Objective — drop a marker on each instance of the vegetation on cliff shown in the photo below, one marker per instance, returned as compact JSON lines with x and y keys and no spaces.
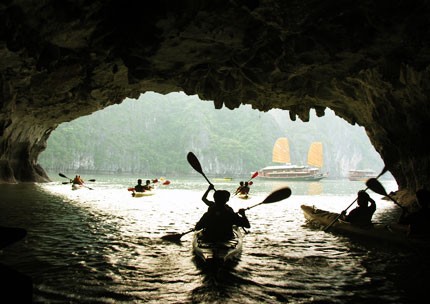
{"x":153,"y":134}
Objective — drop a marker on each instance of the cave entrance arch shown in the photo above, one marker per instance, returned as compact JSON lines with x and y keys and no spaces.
{"x":150,"y":135}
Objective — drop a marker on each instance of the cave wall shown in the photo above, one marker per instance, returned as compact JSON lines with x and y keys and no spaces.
{"x":366,"y":60}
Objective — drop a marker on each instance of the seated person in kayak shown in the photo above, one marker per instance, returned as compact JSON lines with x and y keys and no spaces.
{"x":245,"y":189}
{"x":139,"y":187}
{"x":78,"y":180}
{"x":418,"y":221}
{"x":147,"y":186}
{"x":218,"y":221}
{"x":361,"y":215}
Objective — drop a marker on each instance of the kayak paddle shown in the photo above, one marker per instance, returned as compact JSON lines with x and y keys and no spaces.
{"x":374,"y":185}
{"x":273,"y":197}
{"x":385,"y":169}
{"x":65,"y":183}
{"x":175,"y":237}
{"x":62,"y":175}
{"x":71,"y":180}
{"x":253,"y":176}
{"x":194,"y":162}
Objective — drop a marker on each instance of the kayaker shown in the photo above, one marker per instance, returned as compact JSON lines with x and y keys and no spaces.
{"x":219,"y":219}
{"x":78,"y":180}
{"x":361,"y":215}
{"x":245,"y":189}
{"x":147,"y":186}
{"x":418,"y":221}
{"x":139,"y":187}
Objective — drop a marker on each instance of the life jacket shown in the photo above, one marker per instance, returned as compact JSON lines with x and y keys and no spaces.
{"x":218,"y":222}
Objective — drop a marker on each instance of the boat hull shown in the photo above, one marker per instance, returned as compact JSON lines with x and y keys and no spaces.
{"x":218,"y":252}
{"x":361,"y":175}
{"x":292,"y":173}
{"x":244,"y":196}
{"x":223,"y":179}
{"x":142,"y":194}
{"x":77,"y":187}
{"x":312,"y":178}
{"x":377,"y":232}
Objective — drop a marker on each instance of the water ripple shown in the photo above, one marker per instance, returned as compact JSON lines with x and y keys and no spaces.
{"x":103,"y":246}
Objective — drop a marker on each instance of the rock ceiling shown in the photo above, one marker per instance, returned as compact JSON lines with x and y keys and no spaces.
{"x":366,"y":60}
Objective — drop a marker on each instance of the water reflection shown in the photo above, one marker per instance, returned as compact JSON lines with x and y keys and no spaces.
{"x":104,"y":246}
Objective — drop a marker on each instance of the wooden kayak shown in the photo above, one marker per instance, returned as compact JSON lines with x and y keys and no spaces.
{"x":380,"y":232}
{"x":218,"y":252}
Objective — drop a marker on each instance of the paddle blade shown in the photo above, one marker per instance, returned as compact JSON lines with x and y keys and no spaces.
{"x":65,"y":183}
{"x":62,"y":175}
{"x":374,"y":185}
{"x":277,"y":195}
{"x":176,"y":237}
{"x":172,"y":237}
{"x":167,"y":182}
{"x":250,"y":183}
{"x":194,"y":162}
{"x":254,"y":175}
{"x":92,"y":180}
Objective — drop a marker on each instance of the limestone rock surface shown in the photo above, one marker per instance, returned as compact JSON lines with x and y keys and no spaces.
{"x":366,"y":60}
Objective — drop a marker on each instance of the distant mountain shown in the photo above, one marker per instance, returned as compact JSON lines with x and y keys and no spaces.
{"x":153,"y":134}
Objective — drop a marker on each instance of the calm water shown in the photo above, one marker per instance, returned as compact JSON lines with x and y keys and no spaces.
{"x":104,"y":246}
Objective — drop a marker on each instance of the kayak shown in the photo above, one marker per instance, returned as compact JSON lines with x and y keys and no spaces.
{"x":244,"y":196}
{"x":223,"y":179}
{"x":142,"y":194}
{"x":77,"y":186}
{"x":218,"y":252}
{"x":394,"y":233}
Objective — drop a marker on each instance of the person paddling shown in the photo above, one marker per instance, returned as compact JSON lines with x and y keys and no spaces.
{"x":78,"y":180}
{"x":217,"y":223}
{"x":245,"y":189}
{"x":139,"y":187}
{"x":147,"y":186}
{"x":361,"y":215}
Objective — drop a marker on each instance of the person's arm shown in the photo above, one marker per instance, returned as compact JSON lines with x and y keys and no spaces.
{"x":351,"y":216}
{"x":372,"y":203}
{"x":244,"y":222}
{"x":201,"y":223}
{"x":205,"y":196}
{"x":238,"y":190}
{"x":343,"y":215}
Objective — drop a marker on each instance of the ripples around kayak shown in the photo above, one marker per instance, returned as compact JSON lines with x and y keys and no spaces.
{"x":103,"y":246}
